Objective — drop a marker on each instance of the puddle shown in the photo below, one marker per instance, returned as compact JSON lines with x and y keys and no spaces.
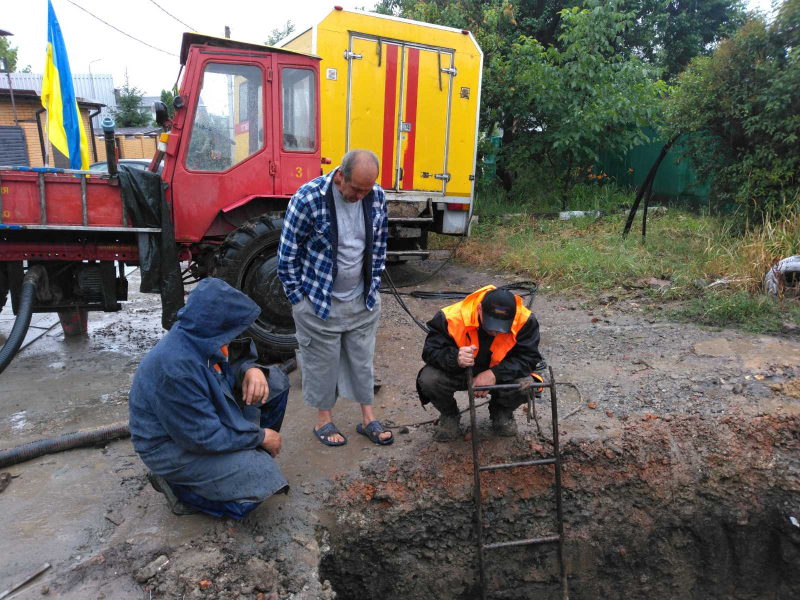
{"x":18,"y":420}
{"x":755,"y":353}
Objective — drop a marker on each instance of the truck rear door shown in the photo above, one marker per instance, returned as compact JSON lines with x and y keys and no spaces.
{"x":398,"y":107}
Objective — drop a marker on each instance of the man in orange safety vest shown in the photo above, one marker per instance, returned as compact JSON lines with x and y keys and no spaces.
{"x":492,"y":332}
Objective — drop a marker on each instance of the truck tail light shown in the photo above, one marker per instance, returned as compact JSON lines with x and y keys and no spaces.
{"x":453,"y":206}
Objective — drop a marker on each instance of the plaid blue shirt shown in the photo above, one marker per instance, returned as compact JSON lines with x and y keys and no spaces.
{"x":309,"y":244}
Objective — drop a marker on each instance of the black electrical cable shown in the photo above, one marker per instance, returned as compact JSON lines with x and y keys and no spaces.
{"x":120,"y":30}
{"x":442,"y":266}
{"x":419,"y":323}
{"x":528,"y":287}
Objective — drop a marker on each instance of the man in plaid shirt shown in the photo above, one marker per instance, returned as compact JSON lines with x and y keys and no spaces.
{"x":330,"y":259}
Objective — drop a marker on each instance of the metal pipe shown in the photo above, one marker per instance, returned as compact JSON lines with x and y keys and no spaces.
{"x":510,"y":386}
{"x":477,"y":475}
{"x":111,"y":148}
{"x":91,"y":130}
{"x":42,"y":200}
{"x":559,"y":509}
{"x":13,"y":103}
{"x":41,"y":133}
{"x":84,"y":204}
{"x":530,"y":541}
{"x":527,"y":463}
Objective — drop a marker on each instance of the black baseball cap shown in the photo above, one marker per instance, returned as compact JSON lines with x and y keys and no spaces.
{"x":499,"y":309}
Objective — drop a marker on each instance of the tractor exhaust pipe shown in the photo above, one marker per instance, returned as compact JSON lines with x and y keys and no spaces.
{"x":111,"y":146}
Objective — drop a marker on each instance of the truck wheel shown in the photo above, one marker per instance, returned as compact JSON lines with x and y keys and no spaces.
{"x":248,"y":260}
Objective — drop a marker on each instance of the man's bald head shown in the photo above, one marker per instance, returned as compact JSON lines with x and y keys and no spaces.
{"x":357,"y":174}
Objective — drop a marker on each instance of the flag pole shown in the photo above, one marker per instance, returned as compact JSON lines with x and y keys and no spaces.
{"x":46,"y":156}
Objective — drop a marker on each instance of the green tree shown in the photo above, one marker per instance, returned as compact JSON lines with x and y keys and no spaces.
{"x":738,"y":109}
{"x":588,"y":95}
{"x":130,"y":111}
{"x":9,"y":53}
{"x":663,"y":33}
{"x":276,"y":35}
{"x":167,"y":97}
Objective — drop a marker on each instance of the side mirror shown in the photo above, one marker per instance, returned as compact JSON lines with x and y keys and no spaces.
{"x":162,"y":116}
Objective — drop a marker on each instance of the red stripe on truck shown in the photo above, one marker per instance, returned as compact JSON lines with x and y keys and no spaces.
{"x":389,"y":116}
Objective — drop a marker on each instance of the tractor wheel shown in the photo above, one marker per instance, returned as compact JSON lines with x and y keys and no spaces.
{"x":248,"y":260}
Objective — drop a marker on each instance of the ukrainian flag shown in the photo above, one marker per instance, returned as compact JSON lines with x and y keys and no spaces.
{"x":64,"y":126}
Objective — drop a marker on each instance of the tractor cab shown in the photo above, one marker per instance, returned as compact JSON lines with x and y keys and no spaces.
{"x":245,"y":134}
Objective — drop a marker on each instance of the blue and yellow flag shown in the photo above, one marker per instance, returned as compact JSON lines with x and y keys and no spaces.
{"x":64,"y":126}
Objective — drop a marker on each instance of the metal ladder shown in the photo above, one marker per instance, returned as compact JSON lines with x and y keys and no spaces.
{"x":478,"y":468}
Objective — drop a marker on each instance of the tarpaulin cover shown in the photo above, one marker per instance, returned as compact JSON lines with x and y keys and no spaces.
{"x":143,"y":195}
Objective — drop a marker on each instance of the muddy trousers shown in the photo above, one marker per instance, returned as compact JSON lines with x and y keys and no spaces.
{"x":223,"y":471}
{"x":438,"y":388}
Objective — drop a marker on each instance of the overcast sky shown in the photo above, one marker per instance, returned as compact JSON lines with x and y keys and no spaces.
{"x":89,"y":40}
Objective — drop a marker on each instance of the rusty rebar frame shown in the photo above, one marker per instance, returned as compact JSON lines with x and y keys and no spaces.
{"x":555,"y":460}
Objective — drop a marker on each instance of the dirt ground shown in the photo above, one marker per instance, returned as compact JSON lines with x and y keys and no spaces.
{"x":106,"y":533}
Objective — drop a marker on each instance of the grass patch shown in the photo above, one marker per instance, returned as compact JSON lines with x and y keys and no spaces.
{"x":490,"y":201}
{"x":754,"y":313}
{"x":689,"y":250}
{"x":591,"y":254}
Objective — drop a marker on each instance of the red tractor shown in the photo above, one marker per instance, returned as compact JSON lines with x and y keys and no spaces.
{"x":245,"y":135}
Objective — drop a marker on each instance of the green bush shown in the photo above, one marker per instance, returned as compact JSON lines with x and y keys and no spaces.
{"x":740,"y":112}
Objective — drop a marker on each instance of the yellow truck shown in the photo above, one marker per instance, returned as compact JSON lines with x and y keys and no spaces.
{"x":410,"y":92}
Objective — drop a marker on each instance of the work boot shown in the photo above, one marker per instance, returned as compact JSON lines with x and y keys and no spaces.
{"x":503,"y":423}
{"x":449,"y":428}
{"x":176,"y":506}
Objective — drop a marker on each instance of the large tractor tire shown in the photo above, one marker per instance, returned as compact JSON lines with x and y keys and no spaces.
{"x":248,"y":260}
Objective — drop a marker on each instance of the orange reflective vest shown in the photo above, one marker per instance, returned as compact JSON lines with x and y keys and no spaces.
{"x":462,"y":325}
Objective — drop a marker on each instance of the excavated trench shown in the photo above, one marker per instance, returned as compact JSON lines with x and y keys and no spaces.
{"x":674,"y":508}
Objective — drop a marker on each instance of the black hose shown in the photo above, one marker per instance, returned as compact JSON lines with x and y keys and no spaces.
{"x":34,"y":276}
{"x":68,"y":441}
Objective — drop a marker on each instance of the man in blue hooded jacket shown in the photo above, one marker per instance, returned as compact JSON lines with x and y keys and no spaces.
{"x":194,"y":414}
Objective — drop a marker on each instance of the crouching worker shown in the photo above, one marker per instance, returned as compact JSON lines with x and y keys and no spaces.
{"x":208,"y":427}
{"x":492,"y":332}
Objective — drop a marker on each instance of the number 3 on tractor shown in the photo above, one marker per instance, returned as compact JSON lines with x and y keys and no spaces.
{"x":298,"y":172}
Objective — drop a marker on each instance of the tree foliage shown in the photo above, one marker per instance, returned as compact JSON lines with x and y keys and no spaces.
{"x":9,"y":53}
{"x":587,"y":96}
{"x":740,"y":111}
{"x":663,"y":34}
{"x":277,"y":34}
{"x":130,"y":111}
{"x":167,"y":97}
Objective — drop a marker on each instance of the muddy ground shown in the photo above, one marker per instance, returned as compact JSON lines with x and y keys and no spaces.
{"x":665,"y":411}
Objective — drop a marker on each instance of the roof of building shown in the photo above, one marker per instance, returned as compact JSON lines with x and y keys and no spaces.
{"x":98,"y":88}
{"x":190,"y":39}
{"x":33,"y":94}
{"x":147,"y":101}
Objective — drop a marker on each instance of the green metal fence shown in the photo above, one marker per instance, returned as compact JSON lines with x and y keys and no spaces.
{"x":675,"y":181}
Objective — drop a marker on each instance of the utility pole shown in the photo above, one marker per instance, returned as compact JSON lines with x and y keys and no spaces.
{"x":4,"y":69}
{"x":227,"y":32}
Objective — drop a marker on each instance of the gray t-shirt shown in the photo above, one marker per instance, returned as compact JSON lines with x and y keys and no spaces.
{"x":349,"y":282}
